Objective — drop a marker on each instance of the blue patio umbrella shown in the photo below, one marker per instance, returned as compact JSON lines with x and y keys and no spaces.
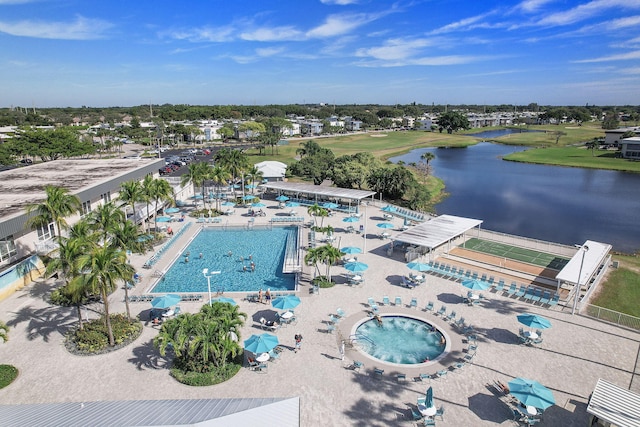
{"x":228,"y":204}
{"x":531,"y":393}
{"x":262,"y":343}
{"x":351,"y":219}
{"x":351,"y":250}
{"x":250,"y":186}
{"x":389,"y":208}
{"x":224,"y":300}
{"x":428,"y":401}
{"x":197,"y":197}
{"x":356,"y":267}
{"x":534,"y":321}
{"x":249,"y":197}
{"x":292,"y":204}
{"x":282,"y":198}
{"x":385,"y":225}
{"x":418,"y":266}
{"x":165,"y":301}
{"x":329,"y":205}
{"x":163,"y":219}
{"x":258,"y":205}
{"x":286,"y":302}
{"x":475,"y":284}
{"x":172,"y":210}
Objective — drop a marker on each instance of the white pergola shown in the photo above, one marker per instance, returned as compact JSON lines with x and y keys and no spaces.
{"x":584,"y":263}
{"x":319,"y":191}
{"x":437,"y":231}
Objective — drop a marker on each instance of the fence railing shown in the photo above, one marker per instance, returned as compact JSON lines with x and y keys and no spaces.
{"x":611,"y":316}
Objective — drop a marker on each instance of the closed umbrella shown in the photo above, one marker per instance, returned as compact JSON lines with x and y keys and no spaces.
{"x":356,"y":267}
{"x":282,"y":198}
{"x":418,"y":266}
{"x":428,"y":401}
{"x":224,"y":300}
{"x":385,"y":225}
{"x":165,"y":301}
{"x":534,"y":321}
{"x":475,"y":284}
{"x":351,"y":219}
{"x":389,"y":208}
{"x":262,"y":343}
{"x":351,"y":250}
{"x":286,"y":302}
{"x":531,"y":393}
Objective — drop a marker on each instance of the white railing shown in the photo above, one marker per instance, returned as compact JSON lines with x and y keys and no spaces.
{"x":528,"y":243}
{"x":611,"y":316}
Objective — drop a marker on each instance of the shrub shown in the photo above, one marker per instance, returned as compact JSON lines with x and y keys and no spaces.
{"x":94,"y":339}
{"x":323,"y":282}
{"x":214,"y":376}
{"x":8,"y":373}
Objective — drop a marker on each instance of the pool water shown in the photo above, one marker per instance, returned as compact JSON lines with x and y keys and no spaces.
{"x":266,"y":247}
{"x":401,"y":340}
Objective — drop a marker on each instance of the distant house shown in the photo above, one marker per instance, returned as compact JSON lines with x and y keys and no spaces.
{"x":272,"y":170}
{"x":613,"y":137}
{"x":630,"y":148}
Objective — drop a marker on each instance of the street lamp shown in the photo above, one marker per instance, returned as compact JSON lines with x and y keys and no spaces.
{"x":578,"y":286}
{"x":205,"y":273}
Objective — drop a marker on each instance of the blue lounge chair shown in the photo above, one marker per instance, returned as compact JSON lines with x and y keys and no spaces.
{"x":330,"y":328}
{"x":500,"y":286}
{"x":537,"y":296}
{"x":385,"y":300}
{"x":398,"y":302}
{"x":378,"y":373}
{"x":528,"y":296}
{"x":452,"y":316}
{"x":442,"y":311}
{"x":555,"y":299}
{"x":459,"y":323}
{"x":422,"y":377}
{"x":413,"y":303}
{"x":512,"y":289}
{"x":429,"y":306}
{"x":401,"y":377}
{"x":341,"y":312}
{"x":521,"y":291}
{"x":356,"y":365}
{"x":546,"y":298}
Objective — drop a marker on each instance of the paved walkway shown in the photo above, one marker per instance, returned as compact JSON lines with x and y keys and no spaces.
{"x":576,"y":352}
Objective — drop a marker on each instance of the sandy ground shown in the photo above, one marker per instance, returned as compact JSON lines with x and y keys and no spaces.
{"x":576,"y":351}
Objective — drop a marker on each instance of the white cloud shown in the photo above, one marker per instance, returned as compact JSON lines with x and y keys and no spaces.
{"x":269,"y":51}
{"x":272,"y":34}
{"x":619,"y":57}
{"x":80,"y":29}
{"x":395,"y":49}
{"x":423,"y":61}
{"x":336,"y":25}
{"x":633,"y":71}
{"x":339,"y":2}
{"x":204,"y":34}
{"x":532,"y":5}
{"x":463,"y":24}
{"x":16,"y":1}
{"x":585,"y":11}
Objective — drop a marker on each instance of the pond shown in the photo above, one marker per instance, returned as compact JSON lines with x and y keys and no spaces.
{"x":488,"y":134}
{"x":552,"y":203}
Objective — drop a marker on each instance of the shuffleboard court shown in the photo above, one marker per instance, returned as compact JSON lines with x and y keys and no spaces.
{"x":515,"y":253}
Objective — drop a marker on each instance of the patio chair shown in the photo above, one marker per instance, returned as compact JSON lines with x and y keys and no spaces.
{"x":330,"y":328}
{"x":546,"y":297}
{"x":398,"y":301}
{"x":520,"y":293}
{"x":440,"y":412}
{"x":429,"y":306}
{"x":500,"y":286}
{"x":554,"y":300}
{"x":378,"y":373}
{"x":341,"y":312}
{"x":422,"y":377}
{"x":356,"y":366}
{"x":443,"y":311}
{"x":371,"y":301}
{"x":429,"y":422}
{"x":452,"y":316}
{"x":401,"y":377}
{"x":512,"y":289}
{"x":414,"y":302}
{"x":385,"y":300}
{"x":416,"y":415}
{"x":274,"y":356}
{"x":459,"y":323}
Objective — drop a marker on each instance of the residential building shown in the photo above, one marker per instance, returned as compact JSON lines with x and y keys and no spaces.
{"x":630,"y":148}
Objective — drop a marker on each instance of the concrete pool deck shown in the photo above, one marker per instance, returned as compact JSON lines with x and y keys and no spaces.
{"x":576,"y":351}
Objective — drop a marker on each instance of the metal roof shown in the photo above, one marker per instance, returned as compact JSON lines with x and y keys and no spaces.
{"x":592,"y":260}
{"x":437,"y":231}
{"x":283,"y":412}
{"x":615,"y":404}
{"x":320,"y":190}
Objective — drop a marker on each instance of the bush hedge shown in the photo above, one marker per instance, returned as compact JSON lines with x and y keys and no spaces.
{"x":94,"y":339}
{"x":8,"y":373}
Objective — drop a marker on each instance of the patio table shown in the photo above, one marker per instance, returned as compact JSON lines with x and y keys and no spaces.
{"x":286,"y":315}
{"x":264,"y":357}
{"x":427,"y":412}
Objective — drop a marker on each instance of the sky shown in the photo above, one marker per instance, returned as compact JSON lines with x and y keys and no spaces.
{"x":58,"y":53}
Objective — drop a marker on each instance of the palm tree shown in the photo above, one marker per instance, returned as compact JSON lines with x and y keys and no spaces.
{"x":196,"y":176}
{"x":4,"y":331}
{"x":428,"y":156}
{"x":330,"y":255}
{"x":254,"y":174}
{"x":104,"y":220}
{"x":160,"y":190}
{"x":102,"y":269}
{"x":235,"y":161}
{"x":314,"y":256}
{"x":146,"y":196}
{"x":58,"y":205}
{"x":219,"y":176}
{"x":131,"y":192}
{"x":317,"y":211}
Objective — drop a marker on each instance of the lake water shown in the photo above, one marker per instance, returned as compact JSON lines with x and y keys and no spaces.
{"x":557,"y":204}
{"x":488,"y":134}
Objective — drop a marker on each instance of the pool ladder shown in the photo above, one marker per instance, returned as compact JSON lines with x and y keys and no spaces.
{"x":356,"y":337}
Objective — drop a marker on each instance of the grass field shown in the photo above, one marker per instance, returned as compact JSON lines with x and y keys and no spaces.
{"x":575,"y":157}
{"x":515,"y":253}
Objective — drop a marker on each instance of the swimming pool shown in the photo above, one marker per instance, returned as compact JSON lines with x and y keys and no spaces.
{"x":400,"y":340}
{"x":264,"y":247}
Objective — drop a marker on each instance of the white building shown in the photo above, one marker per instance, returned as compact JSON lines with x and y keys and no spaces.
{"x":272,"y":170}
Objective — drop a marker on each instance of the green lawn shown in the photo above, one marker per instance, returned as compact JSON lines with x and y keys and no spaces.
{"x":575,"y":157}
{"x":621,"y":292}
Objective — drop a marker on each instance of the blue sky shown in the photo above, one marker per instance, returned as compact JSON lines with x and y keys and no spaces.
{"x":120,"y":53}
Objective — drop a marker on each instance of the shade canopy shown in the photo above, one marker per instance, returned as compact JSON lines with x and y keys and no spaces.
{"x":356,"y":267}
{"x":262,"y":343}
{"x":286,"y":302}
{"x":534,"y":321}
{"x":418,"y":266}
{"x":351,"y":250}
{"x":531,"y":393}
{"x":385,"y":225}
{"x":224,"y":300}
{"x":165,"y":301}
{"x":475,"y":284}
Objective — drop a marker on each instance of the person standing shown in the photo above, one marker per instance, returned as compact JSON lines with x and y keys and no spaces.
{"x":260,"y":296}
{"x":298,"y":339}
{"x":342,"y":350}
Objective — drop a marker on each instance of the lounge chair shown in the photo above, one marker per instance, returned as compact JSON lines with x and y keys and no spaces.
{"x":537,"y":296}
{"x":520,"y":293}
{"x":398,"y":302}
{"x":429,"y":306}
{"x":440,"y":412}
{"x":452,"y":316}
{"x":371,"y":301}
{"x":401,"y":377}
{"x":413,"y":303}
{"x":459,"y":323}
{"x":356,"y":365}
{"x":422,"y":377}
{"x":341,"y":312}
{"x":546,"y":298}
{"x":442,"y":373}
{"x":330,"y":328}
{"x":416,"y":415}
{"x":500,"y":286}
{"x":442,"y":311}
{"x":378,"y":373}
{"x":512,"y":289}
{"x":528,"y":296}
{"x":385,"y":300}
{"x":555,"y":299}
{"x":429,"y":422}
